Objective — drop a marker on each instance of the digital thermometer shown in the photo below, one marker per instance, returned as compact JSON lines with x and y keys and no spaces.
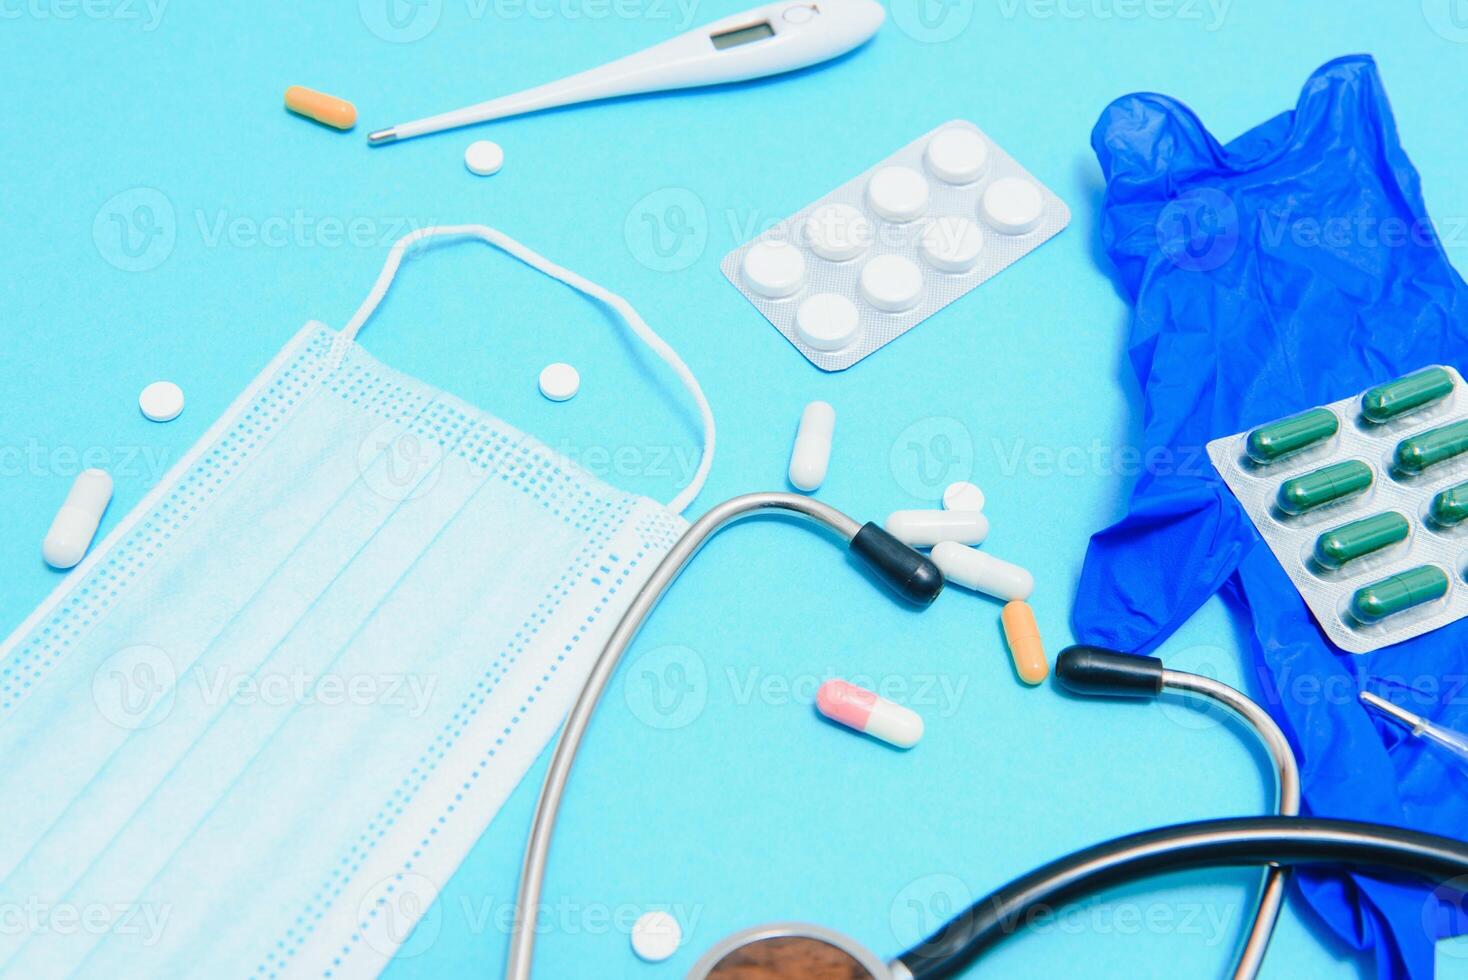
{"x":768,"y":40}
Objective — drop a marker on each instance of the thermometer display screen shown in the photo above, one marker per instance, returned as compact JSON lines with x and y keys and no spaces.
{"x":743,"y":35}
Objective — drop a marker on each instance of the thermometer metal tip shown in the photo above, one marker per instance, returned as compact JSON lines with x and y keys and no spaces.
{"x":1402,"y":715}
{"x":388,"y":135}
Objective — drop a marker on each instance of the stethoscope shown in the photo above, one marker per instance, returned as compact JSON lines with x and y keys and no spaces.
{"x":800,"y":950}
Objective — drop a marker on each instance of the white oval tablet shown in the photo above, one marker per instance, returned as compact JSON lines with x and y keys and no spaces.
{"x":837,"y":232}
{"x":827,"y":321}
{"x":951,"y":243}
{"x":559,"y":381}
{"x":656,"y":936}
{"x":963,"y":496}
{"x":484,"y":158}
{"x":891,"y":283}
{"x":162,"y":401}
{"x":774,"y":269}
{"x":1012,"y":205}
{"x":898,"y":193}
{"x":957,"y":156}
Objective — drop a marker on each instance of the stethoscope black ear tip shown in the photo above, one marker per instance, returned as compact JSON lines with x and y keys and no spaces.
{"x":1084,"y":669}
{"x":909,"y":573}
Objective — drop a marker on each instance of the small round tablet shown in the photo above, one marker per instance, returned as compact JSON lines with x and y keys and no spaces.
{"x":957,"y":156}
{"x":484,"y":157}
{"x":891,"y":283}
{"x":898,"y":193}
{"x":951,"y":243}
{"x":838,"y":232}
{"x":963,"y":496}
{"x":827,"y":321}
{"x":1012,"y":205}
{"x":162,"y":401}
{"x":774,"y":269}
{"x":559,"y":381}
{"x":656,"y":936}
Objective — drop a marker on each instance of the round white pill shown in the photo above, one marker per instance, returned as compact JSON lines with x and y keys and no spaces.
{"x":963,"y":496}
{"x":484,"y":158}
{"x":162,"y":401}
{"x":1012,"y":206}
{"x":827,"y":321}
{"x":838,"y":232}
{"x":559,"y":381}
{"x":774,"y":269}
{"x":891,"y":283}
{"x":951,"y":243}
{"x":957,"y":156}
{"x":898,"y":193}
{"x":656,"y":936}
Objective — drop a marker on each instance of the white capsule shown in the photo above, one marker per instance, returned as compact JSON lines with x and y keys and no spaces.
{"x":812,"y":453}
{"x":866,"y":711}
{"x":974,"y":569}
{"x":925,"y":528}
{"x":76,"y":522}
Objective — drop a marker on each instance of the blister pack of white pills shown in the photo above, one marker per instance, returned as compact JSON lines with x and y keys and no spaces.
{"x":857,"y":269}
{"x":1365,"y":503}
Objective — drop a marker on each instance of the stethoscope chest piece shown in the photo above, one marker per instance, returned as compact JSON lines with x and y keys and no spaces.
{"x":791,"y":951}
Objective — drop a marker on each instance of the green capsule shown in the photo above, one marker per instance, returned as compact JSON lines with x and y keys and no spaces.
{"x":1386,"y":402}
{"x":1450,"y":508}
{"x":1431,"y":447}
{"x":1305,"y":493}
{"x":1279,"y":439}
{"x":1351,"y":541}
{"x":1381,"y":599}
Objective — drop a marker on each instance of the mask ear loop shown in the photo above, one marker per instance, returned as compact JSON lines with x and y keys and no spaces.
{"x":536,"y":261}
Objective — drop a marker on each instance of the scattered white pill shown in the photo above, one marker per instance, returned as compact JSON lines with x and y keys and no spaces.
{"x":963,"y":496}
{"x":774,"y":269}
{"x":827,"y":321}
{"x":957,"y":156}
{"x":891,"y":283}
{"x":559,"y":381}
{"x":982,"y":572}
{"x":656,"y":936}
{"x":951,"y":243}
{"x":162,"y":401}
{"x":1012,"y":206}
{"x":76,"y":522}
{"x":898,"y":193}
{"x":812,"y":453}
{"x":837,"y":232}
{"x":484,"y":157}
{"x":925,"y":528}
{"x":869,"y":712}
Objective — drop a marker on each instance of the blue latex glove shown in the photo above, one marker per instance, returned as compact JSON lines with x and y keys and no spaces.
{"x":1291,"y":268}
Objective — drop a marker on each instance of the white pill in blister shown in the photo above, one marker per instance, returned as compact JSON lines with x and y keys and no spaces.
{"x":957,"y":156}
{"x":559,"y":381}
{"x":1012,"y":205}
{"x":812,"y":453}
{"x":484,"y":158}
{"x":925,"y":528}
{"x":982,"y":572}
{"x":161,"y":401}
{"x":656,"y":936}
{"x":71,"y":531}
{"x":898,"y":193}
{"x":774,"y":269}
{"x":891,"y":283}
{"x":951,"y":243}
{"x":827,"y":321}
{"x":963,"y":496}
{"x":837,"y":232}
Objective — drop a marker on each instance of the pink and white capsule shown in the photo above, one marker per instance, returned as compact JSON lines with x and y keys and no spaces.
{"x":856,"y":707}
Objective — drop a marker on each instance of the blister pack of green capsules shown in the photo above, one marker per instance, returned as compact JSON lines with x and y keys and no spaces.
{"x":1365,"y":504}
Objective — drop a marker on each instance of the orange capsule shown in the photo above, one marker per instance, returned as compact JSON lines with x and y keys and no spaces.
{"x":1023,"y":635}
{"x":327,"y":109}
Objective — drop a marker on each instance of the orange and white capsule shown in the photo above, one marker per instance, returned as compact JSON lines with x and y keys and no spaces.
{"x":1022,"y":634}
{"x":856,"y":707}
{"x":325,"y":109}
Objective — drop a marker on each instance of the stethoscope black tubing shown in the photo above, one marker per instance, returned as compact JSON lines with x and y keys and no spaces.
{"x":1205,"y":844}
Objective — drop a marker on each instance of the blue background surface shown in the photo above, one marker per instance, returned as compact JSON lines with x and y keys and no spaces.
{"x":164,"y":217}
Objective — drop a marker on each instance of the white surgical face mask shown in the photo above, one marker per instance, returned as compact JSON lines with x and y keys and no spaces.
{"x":259,"y":727}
